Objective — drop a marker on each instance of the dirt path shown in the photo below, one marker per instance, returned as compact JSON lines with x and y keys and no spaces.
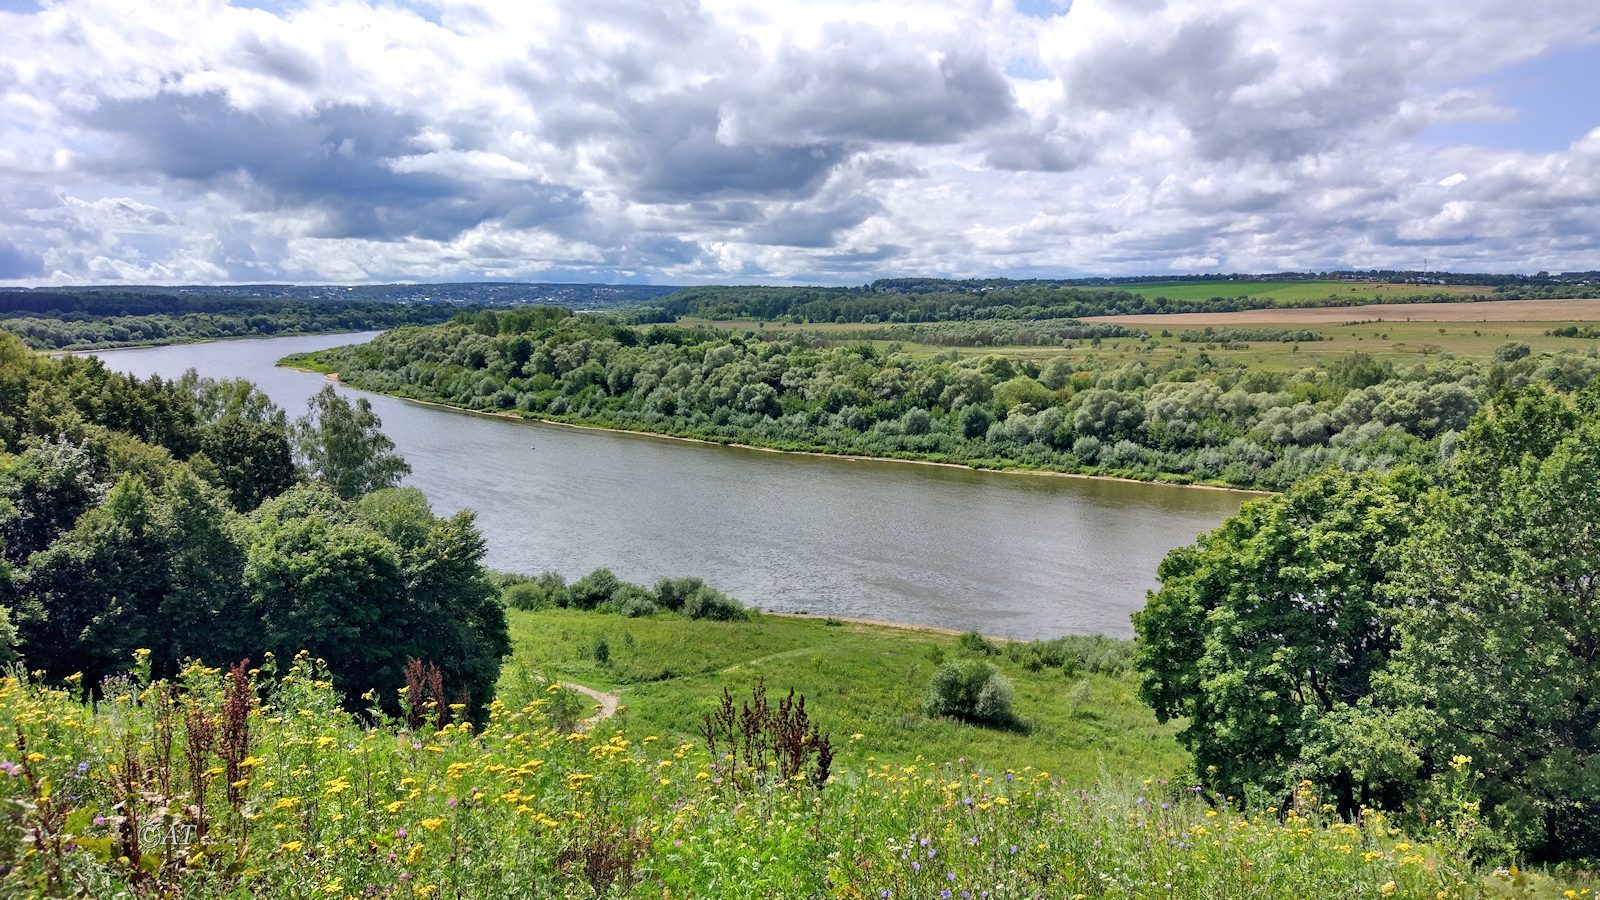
{"x":608,"y":704}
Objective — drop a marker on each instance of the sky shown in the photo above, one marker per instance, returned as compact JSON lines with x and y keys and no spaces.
{"x":764,"y":141}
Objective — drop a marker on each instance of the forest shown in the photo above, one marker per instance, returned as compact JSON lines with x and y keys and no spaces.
{"x":192,"y":519}
{"x":82,"y":320}
{"x":1189,"y":419}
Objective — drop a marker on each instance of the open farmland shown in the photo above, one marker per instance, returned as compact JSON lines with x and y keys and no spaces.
{"x":1290,"y":292}
{"x":1487,"y":311}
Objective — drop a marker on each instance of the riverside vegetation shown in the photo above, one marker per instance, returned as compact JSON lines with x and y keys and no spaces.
{"x":1442,"y":730}
{"x":1183,"y":419}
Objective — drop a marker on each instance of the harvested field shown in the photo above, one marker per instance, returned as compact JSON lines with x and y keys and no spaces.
{"x":1487,"y":311}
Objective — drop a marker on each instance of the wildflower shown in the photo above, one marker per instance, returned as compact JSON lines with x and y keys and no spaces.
{"x":291,"y":846}
{"x":432,"y":824}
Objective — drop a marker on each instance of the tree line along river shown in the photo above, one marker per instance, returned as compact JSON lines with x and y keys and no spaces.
{"x":1010,"y":555}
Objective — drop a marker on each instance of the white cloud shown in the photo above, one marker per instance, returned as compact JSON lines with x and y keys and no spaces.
{"x":691,"y":140}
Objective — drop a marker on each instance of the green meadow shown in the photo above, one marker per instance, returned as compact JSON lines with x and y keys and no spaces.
{"x":858,"y":679}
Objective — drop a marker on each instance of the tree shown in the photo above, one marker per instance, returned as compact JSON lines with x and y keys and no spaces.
{"x":1107,"y":414}
{"x":95,"y":592}
{"x":454,"y":612}
{"x":342,"y":445}
{"x":8,"y":632}
{"x":1500,"y":642}
{"x":321,"y":581}
{"x":250,"y":460}
{"x":1273,"y":623}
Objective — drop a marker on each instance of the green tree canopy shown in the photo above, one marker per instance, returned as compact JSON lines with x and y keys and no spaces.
{"x":342,"y":445}
{"x":1500,"y":645}
{"x":1272,"y":623}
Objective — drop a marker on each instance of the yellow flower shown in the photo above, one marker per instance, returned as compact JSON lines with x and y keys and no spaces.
{"x":250,"y":762}
{"x":1460,"y":761}
{"x":432,"y":824}
{"x":142,"y":652}
{"x":1387,"y":888}
{"x":291,"y":846}
{"x":337,"y":786}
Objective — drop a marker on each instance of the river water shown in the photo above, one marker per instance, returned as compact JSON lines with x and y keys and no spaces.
{"x":1009,"y":555}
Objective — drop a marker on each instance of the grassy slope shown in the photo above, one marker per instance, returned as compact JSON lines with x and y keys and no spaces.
{"x":857,"y":679}
{"x":325,"y":807}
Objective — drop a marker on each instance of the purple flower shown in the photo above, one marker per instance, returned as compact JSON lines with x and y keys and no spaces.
{"x":99,"y":820}
{"x":83,"y":767}
{"x":451,"y":803}
{"x":916,"y":866}
{"x":945,"y":894}
{"x":399,"y":832}
{"x":950,"y":877}
{"x":932,"y":853}
{"x":677,"y":842}
{"x":1013,"y":848}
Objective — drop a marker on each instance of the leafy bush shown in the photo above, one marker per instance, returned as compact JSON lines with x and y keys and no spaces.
{"x":970,"y":690}
{"x":630,"y":600}
{"x":710,"y":603}
{"x":672,"y":593}
{"x":976,"y":644}
{"x":1073,"y":654}
{"x":540,"y":592}
{"x":593,"y":589}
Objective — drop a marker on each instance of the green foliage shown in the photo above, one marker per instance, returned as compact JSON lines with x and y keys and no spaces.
{"x":341,"y":444}
{"x":1178,"y":419}
{"x":1210,"y":335}
{"x":548,"y":589}
{"x":80,"y":320}
{"x":8,"y":631}
{"x":1074,"y":654}
{"x":594,"y":589}
{"x":524,"y":807}
{"x":1403,"y":644}
{"x":970,"y":690}
{"x":976,"y":644}
{"x":941,"y":300}
{"x":121,"y":530}
{"x":1499,"y":651}
{"x":1271,"y":624}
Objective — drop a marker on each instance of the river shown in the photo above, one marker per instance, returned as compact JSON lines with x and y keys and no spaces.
{"x":1009,"y":555}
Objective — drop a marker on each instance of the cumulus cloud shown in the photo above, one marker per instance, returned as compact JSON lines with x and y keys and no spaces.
{"x":716,"y":140}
